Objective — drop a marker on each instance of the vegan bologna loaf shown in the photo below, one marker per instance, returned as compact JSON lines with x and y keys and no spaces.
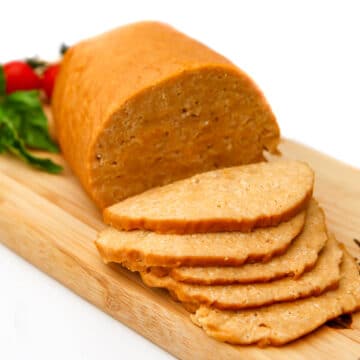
{"x":145,"y":105}
{"x":233,"y":199}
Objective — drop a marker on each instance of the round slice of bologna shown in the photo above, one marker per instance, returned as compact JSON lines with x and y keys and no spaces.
{"x":233,"y":199}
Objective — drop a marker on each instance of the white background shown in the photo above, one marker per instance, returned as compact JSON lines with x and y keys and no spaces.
{"x":304,"y":55}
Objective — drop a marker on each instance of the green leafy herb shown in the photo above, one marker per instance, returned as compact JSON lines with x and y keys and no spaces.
{"x":25,"y":111}
{"x":10,"y":141}
{"x":23,"y":124}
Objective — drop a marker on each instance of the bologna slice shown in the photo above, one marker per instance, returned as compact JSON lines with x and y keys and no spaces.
{"x":138,"y":250}
{"x":233,"y":199}
{"x":145,"y":105}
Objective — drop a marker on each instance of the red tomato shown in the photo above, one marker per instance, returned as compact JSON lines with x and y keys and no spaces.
{"x":48,"y":80}
{"x":20,"y":76}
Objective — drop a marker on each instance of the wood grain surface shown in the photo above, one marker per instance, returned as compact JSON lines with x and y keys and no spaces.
{"x":49,"y":220}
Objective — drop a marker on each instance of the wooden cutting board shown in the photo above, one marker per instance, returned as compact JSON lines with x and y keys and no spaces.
{"x":49,"y":220}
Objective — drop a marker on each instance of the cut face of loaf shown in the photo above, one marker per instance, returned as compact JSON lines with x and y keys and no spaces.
{"x":144,"y":105}
{"x":233,"y":199}
{"x":138,"y":250}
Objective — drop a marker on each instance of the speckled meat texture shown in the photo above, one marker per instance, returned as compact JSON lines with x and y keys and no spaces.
{"x":301,"y":256}
{"x":139,"y":249}
{"x":284,"y":322}
{"x":233,"y":199}
{"x":324,"y":276}
{"x":144,"y":105}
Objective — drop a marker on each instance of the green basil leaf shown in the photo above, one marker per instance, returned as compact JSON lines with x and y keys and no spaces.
{"x":24,"y":99}
{"x":2,"y":81}
{"x":48,"y":165}
{"x":10,"y":141}
{"x":6,"y":133}
{"x":25,"y":111}
{"x":11,"y":114}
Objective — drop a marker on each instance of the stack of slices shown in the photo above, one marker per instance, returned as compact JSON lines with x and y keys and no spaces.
{"x":245,"y":249}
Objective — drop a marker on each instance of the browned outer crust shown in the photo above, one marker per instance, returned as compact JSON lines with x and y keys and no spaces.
{"x":203,"y":226}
